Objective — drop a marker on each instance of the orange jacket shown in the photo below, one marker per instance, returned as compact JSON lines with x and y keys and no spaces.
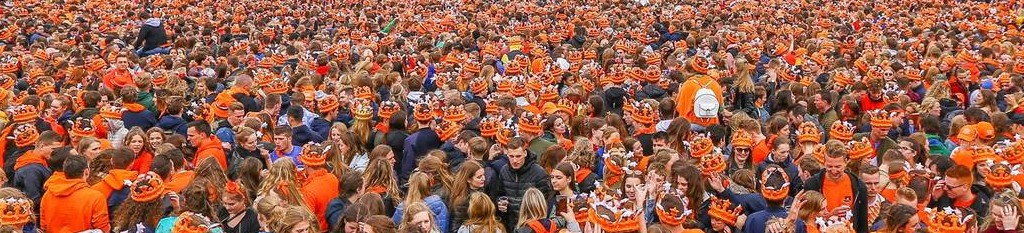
{"x":178,"y":181}
{"x":115,"y":79}
{"x":688,"y":91}
{"x":211,"y":148}
{"x":142,"y":162}
{"x":318,"y":190}
{"x":69,"y":205}
{"x":115,"y":180}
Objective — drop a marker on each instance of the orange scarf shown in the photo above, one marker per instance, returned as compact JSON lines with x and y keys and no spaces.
{"x":134,"y":107}
{"x":29,"y":157}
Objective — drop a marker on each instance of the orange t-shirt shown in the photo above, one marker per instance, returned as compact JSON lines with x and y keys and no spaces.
{"x":760,"y":151}
{"x":889,"y":194}
{"x":318,"y":190}
{"x":838,"y":192}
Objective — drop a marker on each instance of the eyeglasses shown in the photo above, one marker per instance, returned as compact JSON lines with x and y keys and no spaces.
{"x":950,"y":188}
{"x":744,"y":150}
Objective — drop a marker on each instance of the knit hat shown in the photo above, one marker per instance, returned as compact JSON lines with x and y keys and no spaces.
{"x":712,"y":164}
{"x":700,"y":145}
{"x":808,"y":132}
{"x":25,"y":134}
{"x":984,"y":154}
{"x":1014,"y":152}
{"x":447,"y":130}
{"x":644,"y":114}
{"x":530,"y":123}
{"x":454,"y":113}
{"x":722,"y":210}
{"x":505,"y":134}
{"x":187,"y":223}
{"x":549,"y":93}
{"x":566,"y":106}
{"x":6,"y":82}
{"x":15,"y":210}
{"x":363,"y":111}
{"x":478,"y":86}
{"x":699,"y":64}
{"x":774,"y":192}
{"x":946,"y":220}
{"x":328,"y":104}
{"x":387,"y":109}
{"x":842,"y":131}
{"x":677,"y":213}
{"x":489,"y":126}
{"x":147,"y":187}
{"x":363,"y":92}
{"x":423,"y":113}
{"x":111,"y":112}
{"x":26,"y":114}
{"x":83,"y":127}
{"x":880,"y":120}
{"x":740,"y":138}
{"x":861,"y":149}
{"x":314,"y":154}
{"x":1001,"y":174}
{"x":221,"y":106}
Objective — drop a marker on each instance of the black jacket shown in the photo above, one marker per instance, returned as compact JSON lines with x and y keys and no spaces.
{"x":745,"y":102}
{"x":513,"y":183}
{"x":152,"y":33}
{"x":980,"y":204}
{"x":248,"y":102}
{"x":860,"y":200}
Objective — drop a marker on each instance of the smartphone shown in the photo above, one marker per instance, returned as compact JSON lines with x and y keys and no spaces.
{"x":561,"y":204}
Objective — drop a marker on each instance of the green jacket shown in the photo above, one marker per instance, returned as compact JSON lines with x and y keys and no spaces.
{"x":826,"y":119}
{"x":883,"y":146}
{"x":937,"y":145}
{"x":146,"y":99}
{"x":538,"y":145}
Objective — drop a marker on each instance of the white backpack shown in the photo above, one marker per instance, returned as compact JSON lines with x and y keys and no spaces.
{"x":705,"y":102}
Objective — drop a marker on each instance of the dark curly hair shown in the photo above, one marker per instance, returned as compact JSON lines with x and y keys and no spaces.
{"x":131,"y":213}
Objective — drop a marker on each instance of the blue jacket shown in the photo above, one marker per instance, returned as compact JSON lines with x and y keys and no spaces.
{"x":756,"y":222}
{"x":143,"y":119}
{"x":321,"y":126}
{"x":294,"y":155}
{"x":334,"y":210}
{"x":436,"y":206}
{"x":174,"y":124}
{"x":416,"y":145}
{"x":751,"y":202}
{"x":302,"y":135}
{"x":30,"y":179}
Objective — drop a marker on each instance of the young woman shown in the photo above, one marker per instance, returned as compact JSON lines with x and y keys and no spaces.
{"x":812,"y":206}
{"x":379,"y":178}
{"x":248,"y":146}
{"x":380,"y":224}
{"x":1005,"y":214}
{"x":156,"y":136}
{"x":419,"y":218}
{"x":533,"y":213}
{"x":237,"y":214}
{"x":556,"y":129}
{"x":337,"y":130}
{"x":90,"y":147}
{"x":137,"y":140}
{"x":583,"y":157}
{"x":913,"y":152}
{"x":419,"y":193}
{"x":352,"y":153}
{"x":461,"y":192}
{"x":281,"y":183}
{"x":901,"y":219}
{"x":440,"y":179}
{"x":294,"y":219}
{"x":481,"y":216}
{"x":563,"y":181}
{"x":210,"y":170}
{"x":143,"y":210}
{"x":741,"y":151}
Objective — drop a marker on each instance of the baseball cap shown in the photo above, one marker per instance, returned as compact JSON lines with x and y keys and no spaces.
{"x":985,"y":130}
{"x":968,"y":133}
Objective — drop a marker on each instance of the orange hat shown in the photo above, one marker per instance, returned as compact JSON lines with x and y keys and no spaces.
{"x":880,"y":120}
{"x":549,"y":108}
{"x":712,"y":164}
{"x":968,"y":133}
{"x":314,"y":154}
{"x":82,"y":127}
{"x":27,"y":114}
{"x":645,"y":114}
{"x":15,"y":210}
{"x":363,"y":111}
{"x":700,"y":145}
{"x":328,"y":104}
{"x":672,"y":215}
{"x":772,"y":193}
{"x":722,"y":210}
{"x":186,"y":223}
{"x":861,"y":149}
{"x":454,"y":113}
{"x":111,"y":112}
{"x":363,"y":92}
{"x":985,"y":130}
{"x":699,"y":64}
{"x":25,"y":134}
{"x":387,"y":109}
{"x":45,"y":87}
{"x":549,"y":93}
{"x":489,"y":126}
{"x":1001,"y":175}
{"x":221,"y":105}
{"x":504,"y":135}
{"x":6,"y":82}
{"x":984,"y":154}
{"x":963,"y":156}
{"x":947,"y":220}
{"x":742,"y":139}
{"x":147,"y":187}
{"x":478,"y":86}
{"x":423,"y":113}
{"x":530,"y":123}
{"x":842,"y":131}
{"x":808,"y":132}
{"x":1014,"y":153}
{"x":276,"y":87}
{"x":447,"y":130}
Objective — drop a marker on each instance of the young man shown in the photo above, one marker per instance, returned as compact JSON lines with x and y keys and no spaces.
{"x":419,"y":143}
{"x":31,"y":170}
{"x":69,"y":205}
{"x":284,"y":147}
{"x":530,"y":129}
{"x":881,"y":122}
{"x":328,"y":112}
{"x":775,"y":189}
{"x":956,"y":190}
{"x":301,"y":134}
{"x":225,"y":126}
{"x":135,"y":114}
{"x":207,"y":145}
{"x":870,"y":175}
{"x":172,"y":121}
{"x":521,"y":173}
{"x":320,"y":186}
{"x":113,"y":184}
{"x":171,"y":167}
{"x":844,"y":191}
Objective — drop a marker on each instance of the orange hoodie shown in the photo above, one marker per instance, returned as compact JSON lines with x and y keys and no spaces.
{"x":29,"y":157}
{"x":213,"y":149}
{"x":115,"y":180}
{"x":318,"y":190}
{"x":142,"y":162}
{"x":179,"y":180}
{"x":70,"y":206}
{"x":687,"y":93}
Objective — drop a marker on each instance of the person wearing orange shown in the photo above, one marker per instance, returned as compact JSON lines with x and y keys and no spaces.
{"x":69,"y":205}
{"x":135,"y":114}
{"x":956,"y":190}
{"x":319,"y":186}
{"x":171,"y":167}
{"x":32,"y":170}
{"x":113,"y":184}
{"x":844,"y":191}
{"x":120,"y":76}
{"x":200,"y":136}
{"x":693,"y":95}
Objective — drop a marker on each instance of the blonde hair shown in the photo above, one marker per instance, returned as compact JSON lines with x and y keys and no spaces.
{"x":419,"y":188}
{"x":481,"y":214}
{"x":532,"y":207}
{"x":413,"y":209}
{"x":813,"y":201}
{"x":286,"y":220}
{"x":438,"y":171}
{"x":281,"y":182}
{"x":379,"y":172}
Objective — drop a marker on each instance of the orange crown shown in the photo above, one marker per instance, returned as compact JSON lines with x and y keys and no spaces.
{"x":111,"y":112}
{"x":314,"y":154}
{"x":505,"y":86}
{"x":448,"y":129}
{"x":27,"y":114}
{"x":423,"y":113}
{"x":45,"y":87}
{"x":700,"y":145}
{"x":1001,"y":175}
{"x":328,"y":104}
{"x":489,"y":126}
{"x":861,"y":149}
{"x":155,"y":62}
{"x":478,"y":86}
{"x":742,"y":139}
{"x":1014,"y":153}
{"x":82,"y":127}
{"x":530,"y":123}
{"x":985,"y":154}
{"x":808,"y":132}
{"x":388,"y":109}
{"x":363,"y":111}
{"x":842,"y":131}
{"x":549,"y":93}
{"x":276,"y":87}
{"x":6,"y":82}
{"x":9,"y":65}
{"x":672,"y":215}
{"x":947,"y":220}
{"x":186,"y":224}
{"x":774,"y":193}
{"x":699,"y":64}
{"x":15,"y":210}
{"x":722,"y":210}
{"x":147,"y":187}
{"x":880,"y":119}
{"x":712,"y":164}
{"x":645,"y":114}
{"x":454,"y":113}
{"x":504,"y":135}
{"x":363,"y":92}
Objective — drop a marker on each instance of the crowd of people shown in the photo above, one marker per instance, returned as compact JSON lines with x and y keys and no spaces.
{"x":467,"y":116}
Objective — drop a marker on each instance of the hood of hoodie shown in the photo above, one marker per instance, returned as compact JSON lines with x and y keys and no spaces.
{"x":170,"y":122}
{"x":154,"y":22}
{"x":117,"y":177}
{"x":29,"y":157}
{"x":63,"y":187}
